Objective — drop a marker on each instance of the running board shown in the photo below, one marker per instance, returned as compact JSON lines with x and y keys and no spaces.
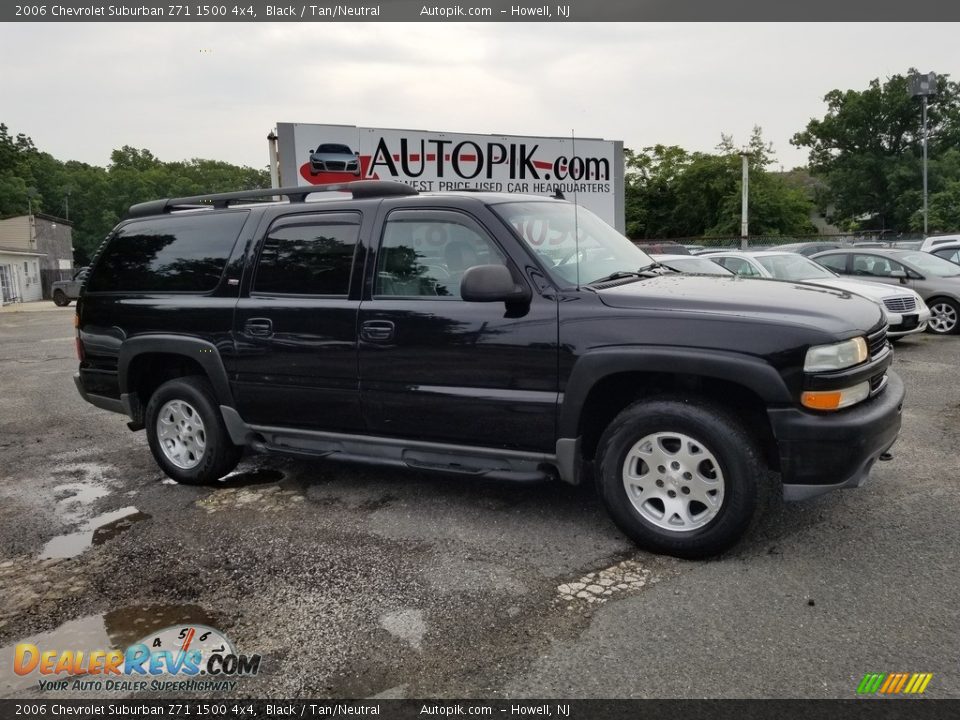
{"x":491,"y":463}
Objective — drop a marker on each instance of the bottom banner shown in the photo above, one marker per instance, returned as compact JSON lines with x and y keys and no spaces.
{"x":556,"y":709}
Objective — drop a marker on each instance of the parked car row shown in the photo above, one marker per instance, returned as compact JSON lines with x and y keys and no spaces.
{"x":935,"y":279}
{"x":925,"y":276}
{"x":918,"y":290}
{"x":905,"y":309}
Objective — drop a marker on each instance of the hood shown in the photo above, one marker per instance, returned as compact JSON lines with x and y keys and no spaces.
{"x":827,"y":309}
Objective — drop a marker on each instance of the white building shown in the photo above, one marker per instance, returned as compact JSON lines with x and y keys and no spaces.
{"x":35,"y":251}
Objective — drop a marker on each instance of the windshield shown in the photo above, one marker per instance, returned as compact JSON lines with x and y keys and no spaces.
{"x":793,"y":267}
{"x":334,"y":149}
{"x":596,"y":251}
{"x":930,"y":264}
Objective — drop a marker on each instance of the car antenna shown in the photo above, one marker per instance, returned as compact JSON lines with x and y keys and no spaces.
{"x":576,"y":212}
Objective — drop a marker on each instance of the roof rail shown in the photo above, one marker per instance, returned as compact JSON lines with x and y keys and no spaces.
{"x":357,"y":188}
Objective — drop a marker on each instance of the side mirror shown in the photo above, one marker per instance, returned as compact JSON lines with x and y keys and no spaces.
{"x":492,"y":283}
{"x":900,"y":275}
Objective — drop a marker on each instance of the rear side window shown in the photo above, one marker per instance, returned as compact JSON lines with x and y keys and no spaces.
{"x":837,"y":263}
{"x":308,"y":256}
{"x":168,"y":254}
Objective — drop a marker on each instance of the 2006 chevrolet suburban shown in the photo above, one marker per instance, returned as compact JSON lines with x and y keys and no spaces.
{"x":479,"y":334}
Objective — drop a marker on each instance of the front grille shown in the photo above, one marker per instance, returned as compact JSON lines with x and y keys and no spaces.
{"x":335,"y":165}
{"x":902,"y":304}
{"x":877,"y":342}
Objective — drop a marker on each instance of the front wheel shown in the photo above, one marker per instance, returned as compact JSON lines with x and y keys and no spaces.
{"x":60,"y":298}
{"x":680,"y":478}
{"x":944,"y":317}
{"x":186,"y":432}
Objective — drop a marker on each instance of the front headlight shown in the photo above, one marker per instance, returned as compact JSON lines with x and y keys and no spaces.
{"x":837,"y":356}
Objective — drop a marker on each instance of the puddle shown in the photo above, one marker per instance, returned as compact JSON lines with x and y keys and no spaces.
{"x":116,"y":629}
{"x":72,"y":499}
{"x":95,"y":531}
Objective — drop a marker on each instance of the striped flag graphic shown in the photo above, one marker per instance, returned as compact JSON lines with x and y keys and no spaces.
{"x":894,"y":683}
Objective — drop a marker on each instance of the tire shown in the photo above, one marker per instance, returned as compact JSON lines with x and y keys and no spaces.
{"x":944,"y":316}
{"x":186,"y":432}
{"x":60,"y":298}
{"x":717,"y":462}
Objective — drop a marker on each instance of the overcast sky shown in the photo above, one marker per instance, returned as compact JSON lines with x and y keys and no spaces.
{"x":216,"y":90}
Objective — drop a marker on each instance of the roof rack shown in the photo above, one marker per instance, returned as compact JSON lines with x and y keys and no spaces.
{"x":357,"y":188}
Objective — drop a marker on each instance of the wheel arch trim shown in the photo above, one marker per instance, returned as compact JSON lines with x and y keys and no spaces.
{"x":203,"y":352}
{"x":750,"y":372}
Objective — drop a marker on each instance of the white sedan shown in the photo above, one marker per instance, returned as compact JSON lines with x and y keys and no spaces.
{"x":905,"y":309}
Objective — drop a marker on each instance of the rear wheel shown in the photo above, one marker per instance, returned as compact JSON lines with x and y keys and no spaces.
{"x":186,"y":432}
{"x":679,"y":477}
{"x":944,"y":316}
{"x":60,"y":298}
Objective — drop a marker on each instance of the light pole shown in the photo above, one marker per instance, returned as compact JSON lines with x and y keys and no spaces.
{"x":924,"y":86}
{"x":744,"y":200}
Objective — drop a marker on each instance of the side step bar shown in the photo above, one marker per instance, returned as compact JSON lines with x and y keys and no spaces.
{"x":491,"y":463}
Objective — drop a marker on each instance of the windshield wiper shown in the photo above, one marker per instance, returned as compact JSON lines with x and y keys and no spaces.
{"x":647,"y":271}
{"x":619,"y":274}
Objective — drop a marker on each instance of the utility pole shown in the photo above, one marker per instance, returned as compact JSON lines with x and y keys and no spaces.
{"x":924,"y":86}
{"x":925,"y":211}
{"x":744,"y":200}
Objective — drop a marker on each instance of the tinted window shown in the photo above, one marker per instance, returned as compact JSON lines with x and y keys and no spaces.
{"x":312,"y":257}
{"x":183,"y":254}
{"x":875,"y":266}
{"x":837,"y":263}
{"x":739,"y":266}
{"x":422,"y":256}
{"x":334,"y":149}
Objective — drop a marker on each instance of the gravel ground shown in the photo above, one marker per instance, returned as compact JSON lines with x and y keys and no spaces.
{"x":353,"y":582}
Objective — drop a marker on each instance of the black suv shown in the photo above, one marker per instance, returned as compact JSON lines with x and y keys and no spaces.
{"x":486,"y":335}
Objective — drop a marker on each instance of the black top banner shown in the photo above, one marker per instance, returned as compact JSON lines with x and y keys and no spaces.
{"x":486,"y":11}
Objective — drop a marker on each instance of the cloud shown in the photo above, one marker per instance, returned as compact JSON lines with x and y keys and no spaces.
{"x":216,"y":90}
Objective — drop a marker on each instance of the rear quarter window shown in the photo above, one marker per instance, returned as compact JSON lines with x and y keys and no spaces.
{"x":168,"y":254}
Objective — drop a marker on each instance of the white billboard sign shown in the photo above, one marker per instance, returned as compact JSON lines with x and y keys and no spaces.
{"x":585,"y":170}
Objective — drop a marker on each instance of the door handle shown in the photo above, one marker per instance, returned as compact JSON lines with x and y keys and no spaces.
{"x":377,"y":331}
{"x":259,"y":327}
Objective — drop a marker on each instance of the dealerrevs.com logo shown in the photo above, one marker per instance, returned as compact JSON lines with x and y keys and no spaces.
{"x":186,"y":658}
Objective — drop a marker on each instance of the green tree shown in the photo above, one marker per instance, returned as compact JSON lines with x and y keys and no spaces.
{"x":867,"y":150}
{"x":673,"y":193}
{"x":97,"y":198}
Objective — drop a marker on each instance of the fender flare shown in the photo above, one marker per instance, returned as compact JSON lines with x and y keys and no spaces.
{"x":746,"y":370}
{"x":201,"y":351}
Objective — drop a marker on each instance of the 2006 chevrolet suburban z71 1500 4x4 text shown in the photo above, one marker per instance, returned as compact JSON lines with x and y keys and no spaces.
{"x":490,"y":335}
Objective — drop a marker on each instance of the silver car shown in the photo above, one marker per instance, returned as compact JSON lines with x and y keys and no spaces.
{"x":904,"y":308}
{"x":935,"y":279}
{"x":66,"y":290}
{"x":334,"y":157}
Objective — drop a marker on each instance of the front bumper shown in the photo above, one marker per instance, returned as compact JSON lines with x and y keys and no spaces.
{"x":820,"y":452}
{"x":902,"y":324}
